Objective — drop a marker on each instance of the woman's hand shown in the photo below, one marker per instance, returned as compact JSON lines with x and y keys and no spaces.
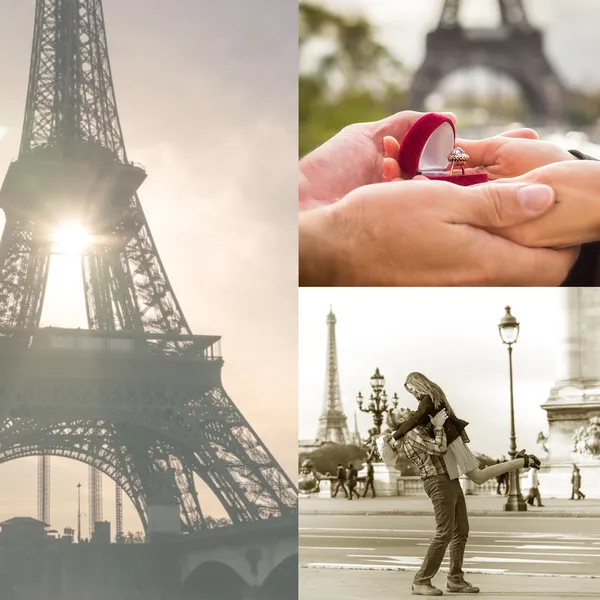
{"x":575,"y":217}
{"x":439,"y":419}
{"x":511,"y":154}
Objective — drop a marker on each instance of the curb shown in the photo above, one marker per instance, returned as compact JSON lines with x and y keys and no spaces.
{"x":425,"y":513}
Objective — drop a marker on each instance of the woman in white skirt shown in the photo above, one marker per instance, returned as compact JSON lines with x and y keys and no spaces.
{"x":459,"y":459}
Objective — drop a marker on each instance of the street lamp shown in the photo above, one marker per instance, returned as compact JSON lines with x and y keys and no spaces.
{"x":509,"y":333}
{"x":378,"y":402}
{"x":79,"y":513}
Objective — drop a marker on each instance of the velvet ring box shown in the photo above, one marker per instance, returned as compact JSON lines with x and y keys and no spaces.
{"x":425,"y":149}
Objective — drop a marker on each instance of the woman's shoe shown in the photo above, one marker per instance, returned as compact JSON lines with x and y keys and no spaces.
{"x":529,"y":459}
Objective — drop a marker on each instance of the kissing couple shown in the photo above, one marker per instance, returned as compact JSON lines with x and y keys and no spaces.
{"x":435,"y":441}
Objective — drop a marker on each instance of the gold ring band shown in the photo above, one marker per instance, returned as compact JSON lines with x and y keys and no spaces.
{"x":458,"y":157}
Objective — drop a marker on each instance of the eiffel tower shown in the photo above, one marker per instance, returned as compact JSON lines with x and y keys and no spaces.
{"x":333,"y":424}
{"x":136,"y":396}
{"x":515,"y":48}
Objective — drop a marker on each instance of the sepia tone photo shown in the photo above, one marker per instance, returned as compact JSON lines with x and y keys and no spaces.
{"x":448,"y":143}
{"x":449,"y":442}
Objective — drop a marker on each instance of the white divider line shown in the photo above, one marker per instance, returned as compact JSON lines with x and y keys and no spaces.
{"x":490,"y":559}
{"x":578,"y":555}
{"x":525,"y":547}
{"x":364,"y":537}
{"x":516,"y":534}
{"x":523,"y":561}
{"x":362,"y":567}
{"x":334,"y":548}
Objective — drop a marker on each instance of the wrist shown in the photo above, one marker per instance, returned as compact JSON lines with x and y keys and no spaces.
{"x":318,"y":252}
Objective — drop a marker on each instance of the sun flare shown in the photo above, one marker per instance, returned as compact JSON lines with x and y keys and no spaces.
{"x":70,"y":238}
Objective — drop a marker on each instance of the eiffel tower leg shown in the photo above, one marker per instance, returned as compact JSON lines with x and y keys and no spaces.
{"x":24,"y":266}
{"x":107,"y":285}
{"x":426,"y":79}
{"x":188,"y":496}
{"x":158,"y":306}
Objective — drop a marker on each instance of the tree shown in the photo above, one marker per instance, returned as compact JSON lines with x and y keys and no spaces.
{"x":135,"y":538}
{"x":214,"y":522}
{"x":346,"y":75}
{"x":327,"y":457}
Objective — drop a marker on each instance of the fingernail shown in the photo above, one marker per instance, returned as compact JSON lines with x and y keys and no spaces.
{"x":536,"y":198}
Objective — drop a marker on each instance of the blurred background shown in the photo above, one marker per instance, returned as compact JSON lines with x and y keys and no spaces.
{"x":495,"y":63}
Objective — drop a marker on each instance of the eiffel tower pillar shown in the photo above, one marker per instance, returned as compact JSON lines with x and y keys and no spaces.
{"x":514,"y":48}
{"x":164,"y":522}
{"x":575,"y":397}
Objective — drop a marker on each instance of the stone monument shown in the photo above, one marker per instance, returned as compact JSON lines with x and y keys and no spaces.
{"x":575,"y":397}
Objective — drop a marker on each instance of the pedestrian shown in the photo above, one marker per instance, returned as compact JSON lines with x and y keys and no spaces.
{"x":449,"y":506}
{"x":534,"y":488}
{"x":340,"y":481}
{"x":502,"y":480}
{"x":370,"y":480}
{"x":576,"y":484}
{"x":352,"y":476}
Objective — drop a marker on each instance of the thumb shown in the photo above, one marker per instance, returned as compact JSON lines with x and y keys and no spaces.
{"x":503,"y":205}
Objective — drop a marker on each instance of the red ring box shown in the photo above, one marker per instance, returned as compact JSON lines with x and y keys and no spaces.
{"x":425,"y":148}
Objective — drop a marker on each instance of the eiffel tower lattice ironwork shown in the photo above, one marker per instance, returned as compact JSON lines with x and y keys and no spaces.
{"x":514,"y":48}
{"x":333,"y":424}
{"x":137,"y":395}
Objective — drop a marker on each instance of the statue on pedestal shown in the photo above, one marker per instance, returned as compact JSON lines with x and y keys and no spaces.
{"x":371,"y":447}
{"x":586,"y":440}
{"x":308,"y":480}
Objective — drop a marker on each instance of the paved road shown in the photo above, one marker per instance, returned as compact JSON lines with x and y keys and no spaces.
{"x":507,"y":545}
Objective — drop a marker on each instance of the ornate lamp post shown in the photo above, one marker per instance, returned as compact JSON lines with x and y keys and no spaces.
{"x":509,"y":333}
{"x":378,"y":402}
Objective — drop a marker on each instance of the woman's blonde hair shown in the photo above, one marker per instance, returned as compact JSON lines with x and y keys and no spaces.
{"x":425,"y":387}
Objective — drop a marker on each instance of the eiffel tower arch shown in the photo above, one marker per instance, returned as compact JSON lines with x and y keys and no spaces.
{"x":514,"y":48}
{"x":137,"y":395}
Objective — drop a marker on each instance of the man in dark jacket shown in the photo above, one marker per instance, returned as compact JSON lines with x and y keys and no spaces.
{"x":370,"y":480}
{"x":340,"y":481}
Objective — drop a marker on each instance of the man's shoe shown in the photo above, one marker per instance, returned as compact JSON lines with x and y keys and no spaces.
{"x":461,"y":588}
{"x":426,"y":590}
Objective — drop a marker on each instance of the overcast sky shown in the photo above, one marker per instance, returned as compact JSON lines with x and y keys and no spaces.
{"x":450,"y":335}
{"x":571,"y":28}
{"x":207,"y":94}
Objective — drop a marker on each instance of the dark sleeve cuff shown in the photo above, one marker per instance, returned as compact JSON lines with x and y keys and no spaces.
{"x":581,"y":155}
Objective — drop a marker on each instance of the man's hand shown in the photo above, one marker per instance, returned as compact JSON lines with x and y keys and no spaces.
{"x":350,"y":159}
{"x":428,"y":233}
{"x":575,"y":219}
{"x":511,"y":154}
{"x":439,"y":419}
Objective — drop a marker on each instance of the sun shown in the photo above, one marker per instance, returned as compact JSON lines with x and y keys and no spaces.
{"x":70,"y":238}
